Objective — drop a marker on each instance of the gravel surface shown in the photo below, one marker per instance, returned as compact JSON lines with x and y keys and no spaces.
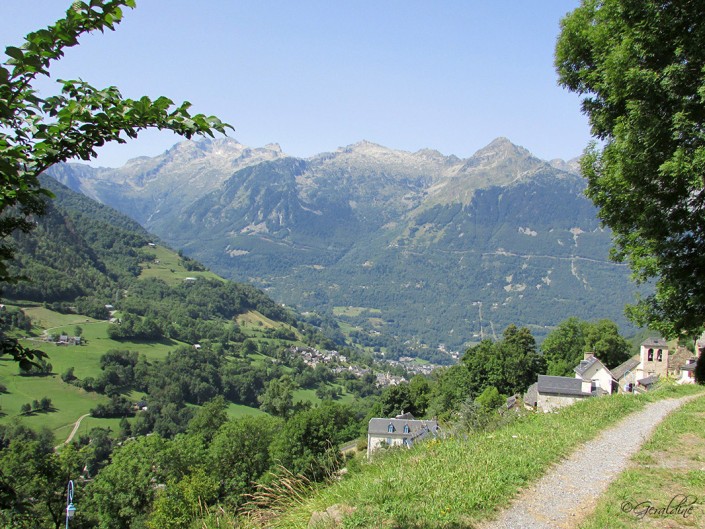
{"x":569,"y":490}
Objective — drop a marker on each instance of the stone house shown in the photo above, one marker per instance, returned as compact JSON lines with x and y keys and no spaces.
{"x":402,"y":430}
{"x":592,"y":378}
{"x":625,"y":374}
{"x":553,"y":392}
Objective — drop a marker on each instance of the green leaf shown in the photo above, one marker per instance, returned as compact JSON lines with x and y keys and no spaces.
{"x":14,"y":52}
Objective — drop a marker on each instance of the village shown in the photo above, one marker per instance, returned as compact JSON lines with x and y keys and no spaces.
{"x":339,"y":362}
{"x":592,"y":378}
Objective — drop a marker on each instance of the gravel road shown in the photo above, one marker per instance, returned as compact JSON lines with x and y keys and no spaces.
{"x":569,"y":491}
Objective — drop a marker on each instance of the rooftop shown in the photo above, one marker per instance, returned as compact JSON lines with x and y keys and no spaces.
{"x":655,"y":342}
{"x":586,"y":364}
{"x":380,"y":426}
{"x":648,"y":380}
{"x":622,"y":369}
{"x":561,"y":386}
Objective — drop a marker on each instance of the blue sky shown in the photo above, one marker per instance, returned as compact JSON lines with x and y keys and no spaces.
{"x":316,"y":75}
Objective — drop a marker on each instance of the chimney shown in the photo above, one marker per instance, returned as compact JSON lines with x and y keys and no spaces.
{"x":587,"y":356}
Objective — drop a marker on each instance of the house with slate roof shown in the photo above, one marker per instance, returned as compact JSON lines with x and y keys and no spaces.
{"x":687,"y":372}
{"x":592,"y":378}
{"x":625,"y":374}
{"x":555,"y":392}
{"x":402,"y":430}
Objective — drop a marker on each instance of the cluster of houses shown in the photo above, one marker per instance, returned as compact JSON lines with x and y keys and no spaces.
{"x":65,"y":339}
{"x":592,"y":378}
{"x":412,"y":366}
{"x":387,"y":379}
{"x":356,"y":370}
{"x":313,"y":357}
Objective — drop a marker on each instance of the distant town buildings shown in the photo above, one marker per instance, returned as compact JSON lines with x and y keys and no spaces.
{"x":339,"y":363}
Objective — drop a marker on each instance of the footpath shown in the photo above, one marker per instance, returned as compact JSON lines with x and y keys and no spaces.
{"x":568,"y":492}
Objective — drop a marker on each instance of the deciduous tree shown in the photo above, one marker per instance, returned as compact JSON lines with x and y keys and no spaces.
{"x":563,"y":348}
{"x":639,"y":65}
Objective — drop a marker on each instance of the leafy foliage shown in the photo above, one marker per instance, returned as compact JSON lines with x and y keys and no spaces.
{"x":33,"y":478}
{"x":639,"y":66}
{"x":308,"y":443}
{"x":563,"y":348}
{"x":700,"y":369}
{"x":510,"y":365}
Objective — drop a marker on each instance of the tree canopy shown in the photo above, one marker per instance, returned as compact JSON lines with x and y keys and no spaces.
{"x":38,"y":131}
{"x":639,"y":65}
{"x":563,"y":348}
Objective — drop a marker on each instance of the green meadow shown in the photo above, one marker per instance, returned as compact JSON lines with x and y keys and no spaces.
{"x":166,"y":266}
{"x":69,"y":402}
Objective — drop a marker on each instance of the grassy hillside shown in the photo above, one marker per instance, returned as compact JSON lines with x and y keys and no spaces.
{"x":457,"y":482}
{"x":168,"y":266}
{"x":70,"y":402}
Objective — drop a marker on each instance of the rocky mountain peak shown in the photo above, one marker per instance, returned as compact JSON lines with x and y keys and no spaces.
{"x":570,"y":166}
{"x":366,"y":148}
{"x":500,"y":149}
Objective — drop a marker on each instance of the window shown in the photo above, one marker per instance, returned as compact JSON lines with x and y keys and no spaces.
{"x":406,"y":428}
{"x":390,"y":428}
{"x":389,"y":440}
{"x":650,"y":357}
{"x":659,"y":355}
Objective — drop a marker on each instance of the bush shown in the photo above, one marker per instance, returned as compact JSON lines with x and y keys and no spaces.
{"x":68,"y":376}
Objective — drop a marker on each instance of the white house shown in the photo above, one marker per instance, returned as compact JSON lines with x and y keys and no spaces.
{"x":402,"y":430}
{"x":687,"y":372}
{"x":593,"y":370}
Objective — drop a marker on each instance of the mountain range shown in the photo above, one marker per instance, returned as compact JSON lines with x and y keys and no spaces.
{"x":429,"y":248}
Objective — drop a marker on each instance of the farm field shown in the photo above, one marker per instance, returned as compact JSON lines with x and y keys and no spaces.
{"x":68,"y":402}
{"x":166,"y":267}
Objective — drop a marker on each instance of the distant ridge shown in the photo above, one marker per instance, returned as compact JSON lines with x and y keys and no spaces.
{"x":420,"y":239}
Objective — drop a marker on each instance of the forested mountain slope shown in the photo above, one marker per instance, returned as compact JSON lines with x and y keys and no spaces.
{"x":426,"y":247}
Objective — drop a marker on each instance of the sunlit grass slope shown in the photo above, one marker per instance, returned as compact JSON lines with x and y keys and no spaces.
{"x":456,"y":482}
